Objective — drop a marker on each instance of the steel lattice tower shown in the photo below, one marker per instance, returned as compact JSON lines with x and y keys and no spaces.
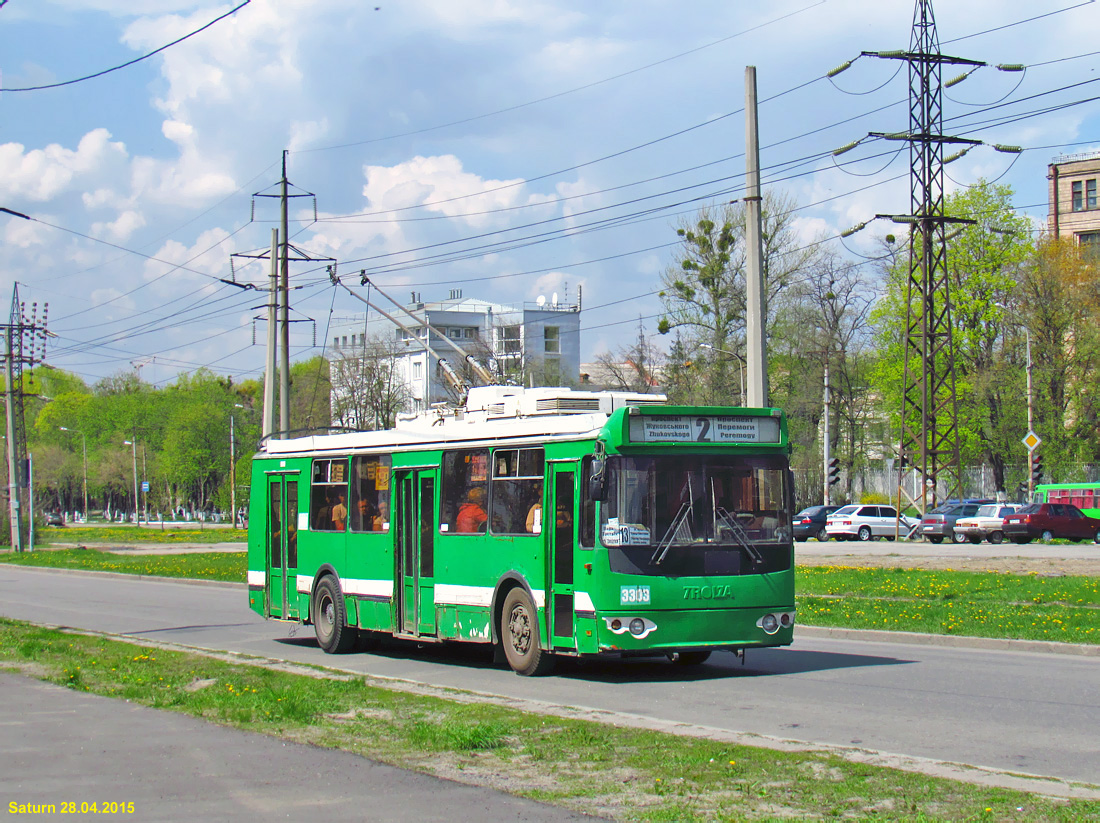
{"x":929,"y":438}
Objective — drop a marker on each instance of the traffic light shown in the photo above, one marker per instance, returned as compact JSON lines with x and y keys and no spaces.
{"x":1036,"y":468}
{"x":834,"y":471}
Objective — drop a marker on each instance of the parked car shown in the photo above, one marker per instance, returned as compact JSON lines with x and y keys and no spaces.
{"x":1047,"y":521}
{"x":986,"y":523}
{"x":939,"y":523}
{"x":866,"y":522}
{"x":53,"y":519}
{"x":810,"y":522}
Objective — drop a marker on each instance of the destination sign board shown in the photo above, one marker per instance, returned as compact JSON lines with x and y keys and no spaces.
{"x":654,"y":428}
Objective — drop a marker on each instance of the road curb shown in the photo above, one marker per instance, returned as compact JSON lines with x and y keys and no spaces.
{"x":948,"y":640}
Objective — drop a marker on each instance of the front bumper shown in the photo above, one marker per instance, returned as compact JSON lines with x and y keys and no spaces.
{"x":669,"y":630}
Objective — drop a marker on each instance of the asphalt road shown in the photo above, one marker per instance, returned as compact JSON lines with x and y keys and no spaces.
{"x":1029,"y":712}
{"x":114,"y":759}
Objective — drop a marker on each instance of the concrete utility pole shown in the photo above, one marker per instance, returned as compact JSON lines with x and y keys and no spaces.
{"x":284,"y":316}
{"x":755,"y":346}
{"x":828,"y":443}
{"x":278,"y":306}
{"x":13,"y":458}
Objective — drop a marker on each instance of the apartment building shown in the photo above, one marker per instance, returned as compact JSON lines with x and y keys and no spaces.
{"x":1073,"y":207}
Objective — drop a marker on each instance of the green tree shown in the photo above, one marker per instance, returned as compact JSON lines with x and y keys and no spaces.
{"x":704,"y":292}
{"x":983,"y":262}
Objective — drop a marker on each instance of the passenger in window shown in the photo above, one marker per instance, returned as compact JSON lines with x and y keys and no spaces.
{"x":471,"y":514}
{"x":364,"y":516}
{"x":534,"y":518}
{"x":381,"y":519}
{"x":340,"y":513}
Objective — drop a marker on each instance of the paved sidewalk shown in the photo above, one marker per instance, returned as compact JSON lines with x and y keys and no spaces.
{"x":62,"y":746}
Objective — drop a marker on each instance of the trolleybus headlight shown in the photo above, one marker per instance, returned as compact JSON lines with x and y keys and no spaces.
{"x":769,"y":623}
{"x":639,"y":627}
{"x":786,"y":619}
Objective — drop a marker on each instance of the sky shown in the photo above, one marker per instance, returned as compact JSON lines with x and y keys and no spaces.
{"x":508,"y":148}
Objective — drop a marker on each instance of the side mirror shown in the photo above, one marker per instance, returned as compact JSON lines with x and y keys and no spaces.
{"x":597,"y":481}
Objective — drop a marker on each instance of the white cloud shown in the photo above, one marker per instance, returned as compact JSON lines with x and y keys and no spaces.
{"x":42,"y":174}
{"x":119,"y":231}
{"x":441,"y":185}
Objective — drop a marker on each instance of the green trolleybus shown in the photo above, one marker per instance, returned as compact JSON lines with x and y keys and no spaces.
{"x":1085,"y":496}
{"x":547,"y":522}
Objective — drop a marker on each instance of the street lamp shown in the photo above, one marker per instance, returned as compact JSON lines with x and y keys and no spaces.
{"x":740,"y":365}
{"x":1030,"y":420}
{"x":233,"y":466}
{"x":137,"y":511}
{"x":84,"y":441}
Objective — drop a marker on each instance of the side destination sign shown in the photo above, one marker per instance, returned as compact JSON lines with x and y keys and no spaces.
{"x":703,"y":429}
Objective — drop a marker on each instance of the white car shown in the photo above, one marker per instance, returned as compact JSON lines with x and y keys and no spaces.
{"x":865,"y":521}
{"x":986,"y":523}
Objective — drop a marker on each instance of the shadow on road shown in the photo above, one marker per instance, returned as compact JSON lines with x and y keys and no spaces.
{"x":721,"y":665}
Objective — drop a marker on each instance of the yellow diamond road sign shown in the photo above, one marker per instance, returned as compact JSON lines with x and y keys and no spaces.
{"x":1032,"y":441}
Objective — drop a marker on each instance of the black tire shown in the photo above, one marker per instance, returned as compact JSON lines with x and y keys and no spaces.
{"x":959,"y":537}
{"x":690,"y":658}
{"x":864,"y":533}
{"x":330,"y":619}
{"x":1097,"y":538}
{"x":935,"y":538}
{"x":975,"y":539}
{"x":1046,"y":536}
{"x":996,"y":537}
{"x":519,"y":632}
{"x":822,"y":536}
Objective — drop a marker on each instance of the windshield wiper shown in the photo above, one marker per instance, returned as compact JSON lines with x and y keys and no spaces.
{"x":678,"y":528}
{"x":739,"y":534}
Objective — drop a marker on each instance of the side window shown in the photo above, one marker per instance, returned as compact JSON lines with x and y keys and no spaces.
{"x":465,"y":491}
{"x":328,"y":495}
{"x":370,"y":493}
{"x":889,"y":511}
{"x":516,"y":494}
{"x":587,"y":530}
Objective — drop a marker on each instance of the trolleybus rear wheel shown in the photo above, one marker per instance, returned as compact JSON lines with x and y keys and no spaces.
{"x":334,"y":636}
{"x":520,"y":634}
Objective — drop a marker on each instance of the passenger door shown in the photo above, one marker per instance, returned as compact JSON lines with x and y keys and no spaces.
{"x":280,"y":594}
{"x":414,"y":517}
{"x":560,"y":525}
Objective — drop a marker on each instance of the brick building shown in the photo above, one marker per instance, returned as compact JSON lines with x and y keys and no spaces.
{"x":1073,"y":207}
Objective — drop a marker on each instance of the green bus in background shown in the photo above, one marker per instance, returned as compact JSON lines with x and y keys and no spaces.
{"x":547,"y":522}
{"x":1085,"y":496}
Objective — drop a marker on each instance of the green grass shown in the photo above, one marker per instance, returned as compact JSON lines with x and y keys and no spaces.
{"x":629,"y":774}
{"x":231,"y":566}
{"x":125,"y":535}
{"x":979,"y":604}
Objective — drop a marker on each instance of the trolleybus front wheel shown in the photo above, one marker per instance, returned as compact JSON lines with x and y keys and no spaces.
{"x":334,"y":636}
{"x":520,"y":634}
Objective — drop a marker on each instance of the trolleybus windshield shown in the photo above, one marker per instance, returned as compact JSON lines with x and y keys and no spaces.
{"x":694,"y":514}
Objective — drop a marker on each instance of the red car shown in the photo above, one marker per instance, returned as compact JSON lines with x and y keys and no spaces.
{"x":1047,"y":521}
